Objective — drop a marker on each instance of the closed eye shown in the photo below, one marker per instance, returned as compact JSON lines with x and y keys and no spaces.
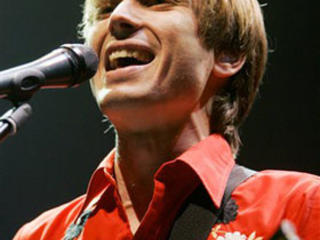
{"x":105,"y":10}
{"x":160,"y":2}
{"x":106,"y":7}
{"x":150,"y":3}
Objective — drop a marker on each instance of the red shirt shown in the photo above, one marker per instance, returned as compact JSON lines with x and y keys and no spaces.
{"x":264,"y":200}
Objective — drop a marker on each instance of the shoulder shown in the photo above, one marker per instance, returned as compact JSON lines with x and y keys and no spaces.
{"x":286,"y":182}
{"x":57,"y":219}
{"x":272,"y":196}
{"x":287,"y":185}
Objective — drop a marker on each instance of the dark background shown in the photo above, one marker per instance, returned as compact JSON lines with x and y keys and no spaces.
{"x":51,"y":159}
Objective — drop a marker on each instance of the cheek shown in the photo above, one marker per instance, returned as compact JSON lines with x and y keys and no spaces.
{"x":96,"y":35}
{"x":178,"y":24}
{"x":190,"y":76}
{"x":95,"y":39}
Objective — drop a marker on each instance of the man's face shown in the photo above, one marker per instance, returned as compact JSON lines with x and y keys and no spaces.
{"x":153,"y":67}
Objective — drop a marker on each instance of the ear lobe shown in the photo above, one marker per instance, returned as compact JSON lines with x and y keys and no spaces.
{"x":226,"y":66}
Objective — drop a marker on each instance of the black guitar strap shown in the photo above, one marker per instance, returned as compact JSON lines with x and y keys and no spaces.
{"x":198,"y":214}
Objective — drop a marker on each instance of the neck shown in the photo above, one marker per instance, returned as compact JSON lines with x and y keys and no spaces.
{"x":140,"y":155}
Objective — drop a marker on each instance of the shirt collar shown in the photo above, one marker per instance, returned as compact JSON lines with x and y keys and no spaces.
{"x":211,"y":160}
{"x":100,"y":180}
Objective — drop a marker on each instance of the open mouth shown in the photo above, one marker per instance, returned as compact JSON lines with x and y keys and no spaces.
{"x":125,"y":57}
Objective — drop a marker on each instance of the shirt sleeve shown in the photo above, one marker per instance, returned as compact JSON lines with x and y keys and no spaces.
{"x":309,"y":226}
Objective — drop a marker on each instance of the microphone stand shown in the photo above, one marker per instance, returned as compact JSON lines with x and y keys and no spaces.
{"x":12,"y":120}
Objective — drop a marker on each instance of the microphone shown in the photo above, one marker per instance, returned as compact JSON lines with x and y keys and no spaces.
{"x":67,"y":66}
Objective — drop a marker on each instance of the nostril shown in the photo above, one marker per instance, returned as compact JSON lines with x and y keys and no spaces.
{"x":122,"y":29}
{"x":126,"y":25}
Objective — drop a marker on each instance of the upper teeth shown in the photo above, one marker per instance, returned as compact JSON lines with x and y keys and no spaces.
{"x":142,"y":56}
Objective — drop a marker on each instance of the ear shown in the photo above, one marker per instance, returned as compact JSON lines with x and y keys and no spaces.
{"x":226,"y":66}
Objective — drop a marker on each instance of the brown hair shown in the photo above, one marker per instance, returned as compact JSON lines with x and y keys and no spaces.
{"x":234,"y":28}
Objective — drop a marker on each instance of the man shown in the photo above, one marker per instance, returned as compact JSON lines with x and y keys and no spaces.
{"x":176,"y":79}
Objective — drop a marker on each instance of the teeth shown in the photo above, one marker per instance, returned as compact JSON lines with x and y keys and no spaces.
{"x":141,"y":56}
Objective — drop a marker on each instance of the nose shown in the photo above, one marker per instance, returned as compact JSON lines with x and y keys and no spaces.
{"x":124,"y":20}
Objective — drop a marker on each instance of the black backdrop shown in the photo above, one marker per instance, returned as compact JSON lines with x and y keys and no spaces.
{"x":50,"y":160}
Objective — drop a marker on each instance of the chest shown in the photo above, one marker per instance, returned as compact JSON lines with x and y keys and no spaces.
{"x":113,"y":224}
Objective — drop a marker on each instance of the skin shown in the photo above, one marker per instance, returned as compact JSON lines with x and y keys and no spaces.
{"x":159,"y":110}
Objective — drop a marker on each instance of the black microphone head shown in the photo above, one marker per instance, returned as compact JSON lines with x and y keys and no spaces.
{"x":65,"y":67}
{"x":87,"y":60}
